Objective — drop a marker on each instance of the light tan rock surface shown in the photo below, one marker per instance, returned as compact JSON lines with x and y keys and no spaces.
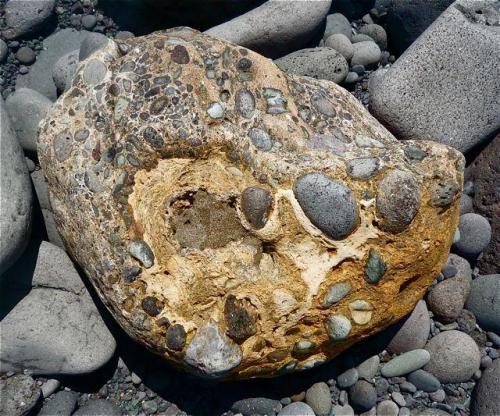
{"x":237,"y":220}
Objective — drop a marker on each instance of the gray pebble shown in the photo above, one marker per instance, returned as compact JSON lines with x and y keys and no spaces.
{"x":336,"y":292}
{"x":4,"y":50}
{"x":366,"y":54}
{"x":475,"y":235}
{"x":49,"y":387}
{"x":89,"y":21}
{"x":25,"y":55}
{"x":351,"y":78}
{"x":297,"y":409}
{"x":337,"y":23}
{"x":377,"y":33}
{"x":26,"y":17}
{"x":407,"y":387}
{"x":91,"y":43}
{"x":256,"y":406}
{"x":255,"y":204}
{"x":405,"y":363}
{"x":387,"y":408}
{"x":347,"y":378}
{"x":362,"y":396}
{"x":98,"y":407}
{"x":64,"y":70}
{"x":360,"y":37}
{"x":484,"y":302}
{"x":215,"y":111}
{"x":466,"y":205}
{"x":398,"y":398}
{"x":141,"y":251}
{"x":94,"y":72}
{"x":341,"y":44}
{"x":363,"y":168}
{"x":338,"y":327}
{"x":62,"y":404}
{"x":368,"y":369}
{"x":328,"y":204}
{"x":358,"y":69}
{"x":319,"y":399}
{"x":424,"y":381}
{"x":260,"y":139}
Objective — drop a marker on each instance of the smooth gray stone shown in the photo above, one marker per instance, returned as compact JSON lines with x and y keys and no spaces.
{"x":486,"y":395}
{"x":26,"y":108}
{"x":341,"y":44}
{"x":55,"y":328}
{"x":458,"y":104}
{"x":99,"y":407}
{"x":321,"y":63}
{"x":368,"y":369}
{"x":475,"y":235}
{"x":466,"y":205}
{"x":18,"y":395}
{"x":4,"y":50}
{"x":337,"y":23}
{"x":377,"y":33}
{"x":297,"y":409}
{"x":362,"y":396}
{"x":26,"y":17}
{"x":424,"y":381}
{"x":64,"y":70}
{"x":319,"y":398}
{"x":15,"y":195}
{"x":484,"y":302}
{"x":92,"y":42}
{"x":414,"y":332}
{"x":62,"y":404}
{"x":275,"y":28}
{"x":39,"y":78}
{"x":366,"y":53}
{"x":347,"y":378}
{"x":455,"y":357}
{"x":41,"y":188}
{"x":328,"y":204}
{"x":446,"y":300}
{"x":387,"y":408}
{"x":462,"y":265}
{"x":405,"y":363}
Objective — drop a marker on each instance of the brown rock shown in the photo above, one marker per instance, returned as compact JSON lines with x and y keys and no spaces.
{"x":150,"y":203}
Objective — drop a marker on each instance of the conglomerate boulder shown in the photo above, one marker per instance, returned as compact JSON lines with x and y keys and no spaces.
{"x":236,"y":220}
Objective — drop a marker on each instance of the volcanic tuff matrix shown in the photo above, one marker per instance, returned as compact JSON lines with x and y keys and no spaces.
{"x":237,"y":220}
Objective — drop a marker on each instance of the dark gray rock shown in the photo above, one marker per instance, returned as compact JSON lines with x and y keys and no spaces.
{"x":486,"y":395}
{"x":26,"y":108}
{"x":461,"y":265}
{"x":424,"y":381}
{"x":446,"y":300}
{"x":484,"y":302}
{"x":92,"y":42}
{"x":97,"y":408}
{"x":319,"y":398}
{"x":4,"y":50}
{"x":414,"y":332}
{"x":18,"y":395}
{"x":337,"y":23}
{"x":56,"y":328}
{"x":328,"y":204}
{"x":64,"y":70}
{"x":321,"y":63}
{"x":275,"y":28}
{"x":89,"y":21}
{"x":460,"y":111}
{"x":26,"y":17}
{"x":485,"y":170}
{"x":454,"y":355}
{"x":398,"y":200}
{"x":257,"y":406}
{"x":362,"y":396}
{"x":366,"y":53}
{"x":407,"y":19}
{"x":16,"y":197}
{"x":475,"y":235}
{"x":62,"y":404}
{"x":466,"y":205}
{"x":255,"y":204}
{"x":39,"y":78}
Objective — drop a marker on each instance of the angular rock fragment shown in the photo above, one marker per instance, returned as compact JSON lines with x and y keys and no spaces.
{"x":237,"y":220}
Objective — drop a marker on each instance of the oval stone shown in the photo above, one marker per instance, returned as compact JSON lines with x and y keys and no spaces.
{"x":255,"y":204}
{"x":245,"y":103}
{"x":338,"y":327}
{"x":398,"y":200}
{"x":260,"y":139}
{"x":141,"y":251}
{"x":328,"y":204}
{"x":406,"y":363}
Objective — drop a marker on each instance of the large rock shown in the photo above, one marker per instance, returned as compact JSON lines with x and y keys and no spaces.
{"x":15,"y":195}
{"x":39,"y":78}
{"x":486,"y":396}
{"x":455,"y":357}
{"x":275,"y":28}
{"x":414,"y":332}
{"x":236,"y":247}
{"x":406,"y":20}
{"x":26,"y":108}
{"x":55,"y":328}
{"x":485,"y":171}
{"x":484,"y":302}
{"x":26,"y":17}
{"x":322,"y":63}
{"x":458,"y":104}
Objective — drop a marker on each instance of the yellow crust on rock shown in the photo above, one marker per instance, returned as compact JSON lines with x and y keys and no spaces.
{"x":151,"y":146}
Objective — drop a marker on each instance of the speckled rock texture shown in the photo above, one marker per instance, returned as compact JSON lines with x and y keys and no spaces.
{"x":166,"y":196}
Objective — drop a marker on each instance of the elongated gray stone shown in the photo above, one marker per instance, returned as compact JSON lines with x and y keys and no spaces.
{"x":406,"y":363}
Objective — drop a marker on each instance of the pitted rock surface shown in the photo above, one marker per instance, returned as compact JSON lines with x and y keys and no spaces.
{"x":216,"y":203}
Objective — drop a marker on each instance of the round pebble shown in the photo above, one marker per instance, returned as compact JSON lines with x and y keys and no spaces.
{"x":341,"y":44}
{"x":466,"y":206}
{"x":387,"y":408}
{"x":25,"y":55}
{"x":89,"y":21}
{"x":297,"y":409}
{"x":347,"y":378}
{"x":475,"y":235}
{"x":454,"y":357}
{"x":366,"y":53}
{"x":484,"y":302}
{"x":362,"y":396}
{"x":319,"y":399}
{"x":338,"y":327}
{"x":377,"y":33}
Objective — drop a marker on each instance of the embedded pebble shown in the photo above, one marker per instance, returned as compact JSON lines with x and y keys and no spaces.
{"x":328,"y":204}
{"x":256,"y":203}
{"x":363,"y":168}
{"x":141,"y":251}
{"x":260,"y":139}
{"x":338,"y":327}
{"x":336,"y":293}
{"x":375,"y":267}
